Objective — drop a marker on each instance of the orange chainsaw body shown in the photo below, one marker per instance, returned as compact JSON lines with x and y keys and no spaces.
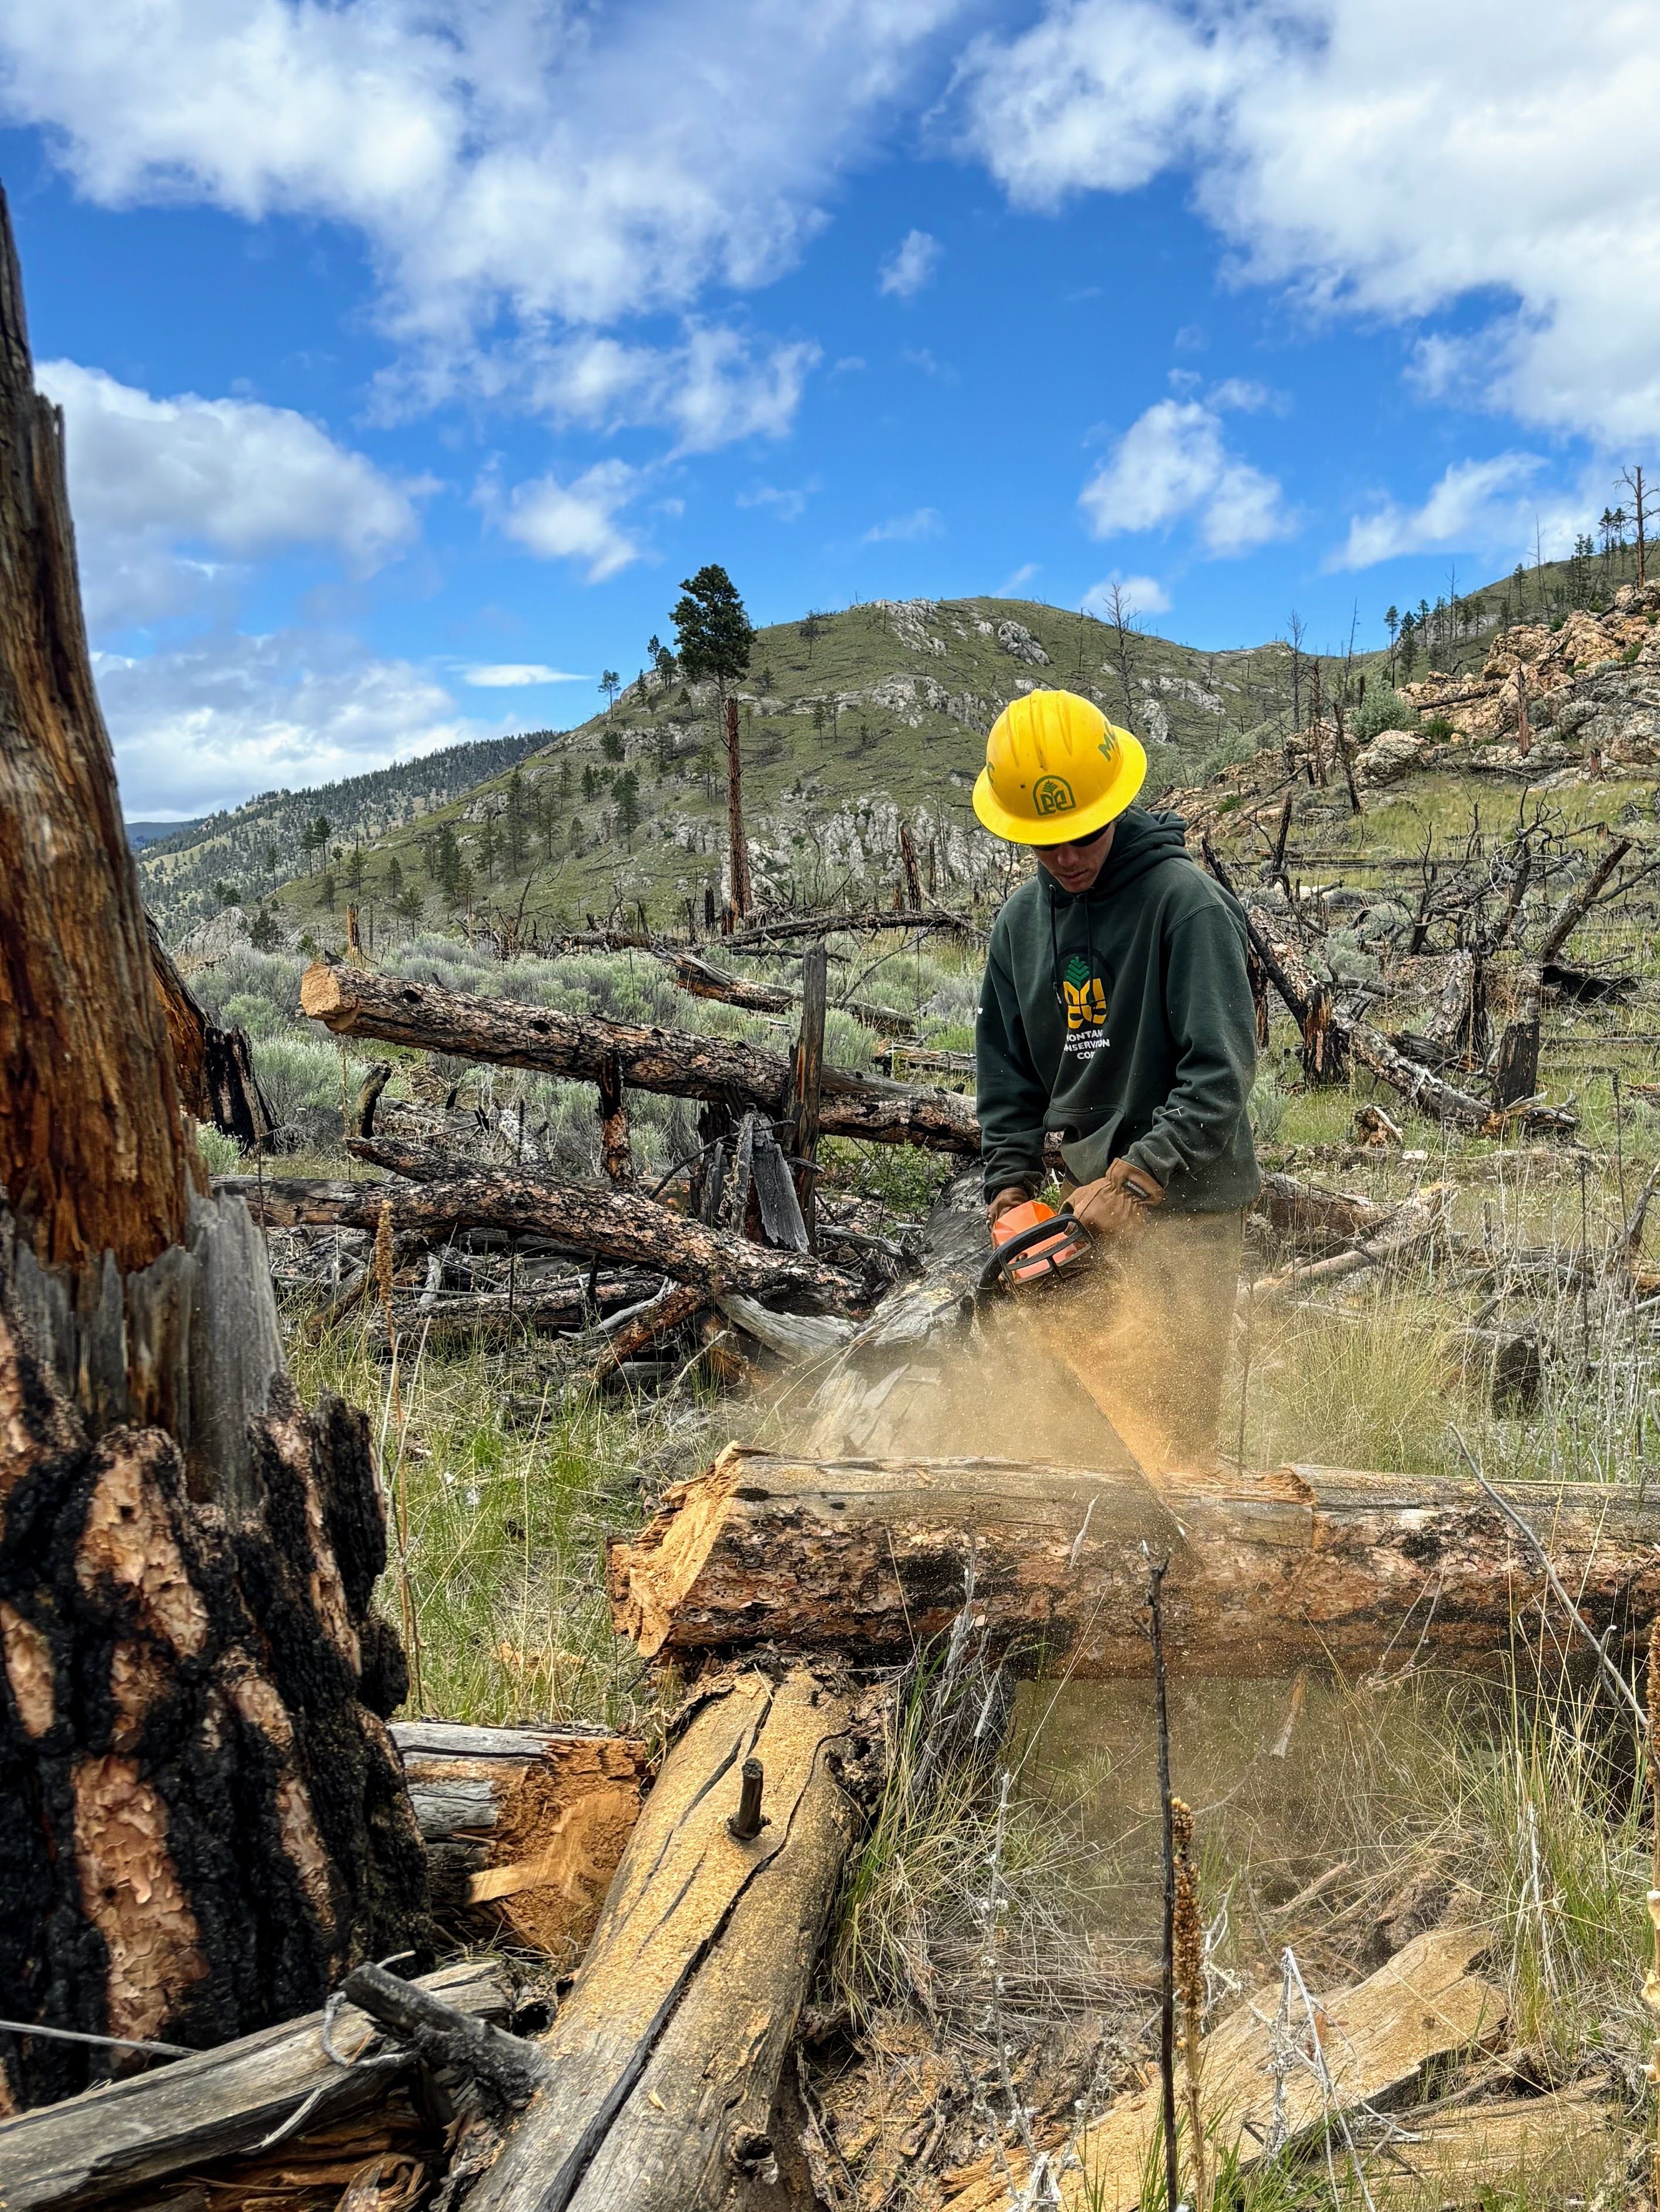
{"x":1038,"y":1258}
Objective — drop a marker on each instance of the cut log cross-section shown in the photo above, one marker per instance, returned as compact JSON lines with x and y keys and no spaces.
{"x":583,"y":1047}
{"x":1304,"y":1565}
{"x":202,"y":1822}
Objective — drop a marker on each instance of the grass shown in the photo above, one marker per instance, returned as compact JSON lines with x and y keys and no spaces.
{"x":507,"y":1497}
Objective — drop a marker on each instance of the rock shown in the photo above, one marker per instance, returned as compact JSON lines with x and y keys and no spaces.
{"x":1018,"y":642}
{"x":1393,"y":754}
{"x":210,"y":940}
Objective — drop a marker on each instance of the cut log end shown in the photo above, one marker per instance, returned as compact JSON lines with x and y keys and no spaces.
{"x":321,"y":994}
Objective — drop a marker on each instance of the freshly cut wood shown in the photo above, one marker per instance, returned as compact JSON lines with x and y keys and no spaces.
{"x":529,"y":1823}
{"x":617,"y":1224}
{"x":1424,"y":2006}
{"x":1300,"y":1566}
{"x":214,"y":1067}
{"x":664,"y":2061}
{"x":204,"y":1821}
{"x":584,"y":1047}
{"x":218,"y":2104}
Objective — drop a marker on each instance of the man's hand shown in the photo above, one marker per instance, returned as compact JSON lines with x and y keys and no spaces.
{"x":1014,"y":1194}
{"x":1117,"y":1205}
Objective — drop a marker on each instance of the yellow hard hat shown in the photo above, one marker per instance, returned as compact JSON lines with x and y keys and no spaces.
{"x":1056,"y":770}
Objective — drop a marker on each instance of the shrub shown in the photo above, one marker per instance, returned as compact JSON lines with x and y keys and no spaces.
{"x":1382,"y":710}
{"x":296,"y":1072}
{"x":1437,"y":728}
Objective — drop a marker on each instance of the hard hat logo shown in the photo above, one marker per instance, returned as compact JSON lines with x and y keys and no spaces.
{"x":1056,"y":770}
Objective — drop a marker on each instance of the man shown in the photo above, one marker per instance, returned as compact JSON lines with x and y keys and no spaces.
{"x":1117,"y":1012}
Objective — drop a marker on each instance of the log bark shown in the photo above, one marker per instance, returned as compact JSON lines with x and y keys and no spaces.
{"x":702,"y":978}
{"x":743,"y":897}
{"x":614,"y":1224}
{"x":807,"y":1086}
{"x":664,"y":2062}
{"x":214,"y":1067}
{"x":616,"y":1151}
{"x":223,"y":2102}
{"x":202,"y":1823}
{"x":524,"y":1828}
{"x":1302,"y":1566}
{"x":580,"y":1048}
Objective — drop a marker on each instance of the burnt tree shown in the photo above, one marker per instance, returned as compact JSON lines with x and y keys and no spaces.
{"x":202,"y":1819}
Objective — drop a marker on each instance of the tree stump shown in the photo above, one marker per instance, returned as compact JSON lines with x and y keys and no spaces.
{"x":202,"y":1819}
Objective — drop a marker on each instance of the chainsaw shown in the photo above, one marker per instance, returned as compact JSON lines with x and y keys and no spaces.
{"x":1034,"y":1248}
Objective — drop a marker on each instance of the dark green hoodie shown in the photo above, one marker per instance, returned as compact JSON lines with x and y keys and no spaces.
{"x":1122,"y":1017}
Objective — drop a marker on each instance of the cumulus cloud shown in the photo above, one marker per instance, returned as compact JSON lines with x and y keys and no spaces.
{"x":160,"y":488}
{"x":920,"y":522}
{"x":200,"y":728}
{"x":513,"y":675}
{"x":562,"y":163}
{"x":1393,"y":162}
{"x":1474,"y":505}
{"x":575,"y":522}
{"x":1138,"y":595}
{"x":909,"y":266}
{"x":1173,"y":463}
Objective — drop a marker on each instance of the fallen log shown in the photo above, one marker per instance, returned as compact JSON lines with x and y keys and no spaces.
{"x":526,"y":1825}
{"x":1424,"y":2006}
{"x":701,"y":979}
{"x":661,"y":2069}
{"x":1314,"y":1220}
{"x":616,"y":1224}
{"x":218,"y":2103}
{"x":1298,"y":1566}
{"x":1412,"y":1227}
{"x":760,"y":934}
{"x":584,"y":1048}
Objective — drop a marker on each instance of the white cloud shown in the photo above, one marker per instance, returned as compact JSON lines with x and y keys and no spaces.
{"x":1015,"y":580}
{"x":201,"y":727}
{"x":1173,"y":462}
{"x":910,"y":266}
{"x":565,"y":163}
{"x":575,"y":522}
{"x":159,"y":486}
{"x":788,"y":501}
{"x":1388,"y":162}
{"x":1474,"y":505}
{"x":511,"y":675}
{"x":920,"y":522}
{"x":1139,"y":595}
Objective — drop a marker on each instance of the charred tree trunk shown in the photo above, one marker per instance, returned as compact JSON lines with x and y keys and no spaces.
{"x":615,"y":1224}
{"x":675,"y":1062}
{"x":203,"y":1822}
{"x":662,"y":2068}
{"x":1268,"y":1572}
{"x":616,"y":1151}
{"x":807,"y":1086}
{"x":214,"y":1067}
{"x":743,"y":899}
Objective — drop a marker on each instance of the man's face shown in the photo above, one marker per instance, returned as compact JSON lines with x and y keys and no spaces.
{"x":1075,"y":867}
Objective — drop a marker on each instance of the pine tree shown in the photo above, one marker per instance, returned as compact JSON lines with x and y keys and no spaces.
{"x":627,"y":791}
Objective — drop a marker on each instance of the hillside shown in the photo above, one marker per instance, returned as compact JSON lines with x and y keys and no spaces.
{"x":850,"y":721}
{"x":253,"y":848}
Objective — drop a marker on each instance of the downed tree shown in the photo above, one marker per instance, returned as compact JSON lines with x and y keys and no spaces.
{"x":1298,"y":1566}
{"x":204,"y":1820}
{"x":1517,"y":1073}
{"x":585,"y":1047}
{"x":616,"y":1224}
{"x":526,"y":1824}
{"x":659,"y":2075}
{"x":218,"y":2103}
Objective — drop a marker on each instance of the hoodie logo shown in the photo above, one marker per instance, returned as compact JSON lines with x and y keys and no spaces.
{"x":1052,"y":794}
{"x":1087,"y":1002}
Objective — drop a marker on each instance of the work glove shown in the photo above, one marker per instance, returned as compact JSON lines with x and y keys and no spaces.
{"x":1116,"y":1206}
{"x":1013,"y":1194}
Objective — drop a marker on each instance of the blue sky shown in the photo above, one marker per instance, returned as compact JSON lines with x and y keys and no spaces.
{"x":410,"y":353}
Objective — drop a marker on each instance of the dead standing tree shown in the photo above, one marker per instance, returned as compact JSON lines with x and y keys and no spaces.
{"x":202,"y":1820}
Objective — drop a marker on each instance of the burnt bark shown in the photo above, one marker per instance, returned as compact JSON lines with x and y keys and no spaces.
{"x":214,"y":1067}
{"x":1298,"y":1566}
{"x":675,"y":1062}
{"x":617,"y":1224}
{"x":742,"y":898}
{"x":203,"y":1822}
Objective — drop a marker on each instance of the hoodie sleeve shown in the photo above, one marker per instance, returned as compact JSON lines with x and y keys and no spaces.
{"x":1213,"y":1022}
{"x":1010,"y":1098}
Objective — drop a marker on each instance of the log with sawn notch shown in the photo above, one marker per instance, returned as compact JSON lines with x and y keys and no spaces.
{"x":582,"y":1048}
{"x":1269,"y":1572}
{"x":617,"y":1224}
